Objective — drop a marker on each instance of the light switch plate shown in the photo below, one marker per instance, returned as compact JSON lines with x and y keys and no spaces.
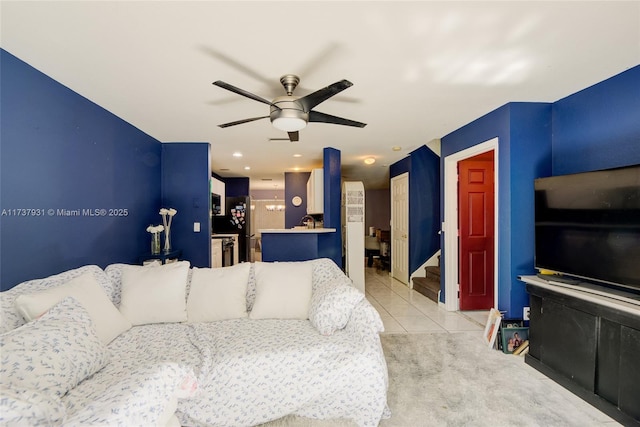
{"x":196,"y":227}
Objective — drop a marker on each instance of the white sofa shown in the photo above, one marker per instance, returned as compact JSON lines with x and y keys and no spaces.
{"x":173,"y":345}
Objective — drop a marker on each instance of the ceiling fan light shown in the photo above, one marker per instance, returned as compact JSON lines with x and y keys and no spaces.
{"x":289,"y":124}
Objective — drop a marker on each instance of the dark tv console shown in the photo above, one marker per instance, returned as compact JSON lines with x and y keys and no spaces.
{"x":588,"y":341}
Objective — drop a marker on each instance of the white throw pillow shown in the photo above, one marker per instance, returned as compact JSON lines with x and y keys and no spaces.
{"x":10,"y":318}
{"x":332,"y":304}
{"x":107,"y":320}
{"x":155,"y":293}
{"x":283,"y":290}
{"x":53,"y":353}
{"x":218,"y":293}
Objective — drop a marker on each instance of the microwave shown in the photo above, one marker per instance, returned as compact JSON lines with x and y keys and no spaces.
{"x":216,"y":207}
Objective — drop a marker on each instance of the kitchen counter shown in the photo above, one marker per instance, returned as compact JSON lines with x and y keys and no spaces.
{"x":297,"y":230}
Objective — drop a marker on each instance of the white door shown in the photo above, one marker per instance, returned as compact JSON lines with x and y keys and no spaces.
{"x":400,"y":227}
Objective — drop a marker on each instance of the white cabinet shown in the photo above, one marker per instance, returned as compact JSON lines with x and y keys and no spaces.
{"x":315,"y":192}
{"x":216,"y":253}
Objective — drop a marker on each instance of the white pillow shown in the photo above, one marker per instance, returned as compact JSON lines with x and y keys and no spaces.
{"x":218,"y":293}
{"x":53,"y":353}
{"x":10,"y":318}
{"x":332,"y":304}
{"x":107,"y":320}
{"x":283,"y":290}
{"x":155,"y":293}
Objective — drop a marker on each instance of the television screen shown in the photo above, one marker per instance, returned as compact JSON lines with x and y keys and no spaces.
{"x":587,"y":225}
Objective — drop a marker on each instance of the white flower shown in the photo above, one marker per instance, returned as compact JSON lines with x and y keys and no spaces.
{"x":172,"y":212}
{"x":155,"y":228}
{"x":164,"y":211}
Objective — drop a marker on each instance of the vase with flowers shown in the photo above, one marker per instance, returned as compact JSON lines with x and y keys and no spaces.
{"x":167,"y":217}
{"x":155,"y":231}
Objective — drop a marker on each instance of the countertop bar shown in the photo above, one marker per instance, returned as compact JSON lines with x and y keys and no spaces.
{"x":297,"y":230}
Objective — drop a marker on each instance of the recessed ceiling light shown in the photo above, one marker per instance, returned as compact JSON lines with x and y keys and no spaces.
{"x":237,"y":154}
{"x":247,"y":168}
{"x":369,"y":160}
{"x":297,"y":155}
{"x":396,"y":148}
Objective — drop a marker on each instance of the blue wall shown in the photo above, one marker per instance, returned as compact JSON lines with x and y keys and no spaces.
{"x":423,"y":166}
{"x":59,"y":151}
{"x":298,"y":247}
{"x":524,"y":153}
{"x":185,"y":187}
{"x":595,"y":128}
{"x":295,"y":184}
{"x":331,"y":243}
{"x":236,"y":187}
{"x":598,"y":127}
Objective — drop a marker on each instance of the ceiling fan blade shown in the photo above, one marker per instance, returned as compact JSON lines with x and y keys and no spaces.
{"x":321,"y":95}
{"x":317,"y":116}
{"x":240,"y":67}
{"x":293,"y":136}
{"x":239,"y":91}
{"x":239,"y":122}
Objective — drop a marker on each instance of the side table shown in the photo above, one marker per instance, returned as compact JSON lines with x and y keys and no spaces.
{"x":164,"y":257}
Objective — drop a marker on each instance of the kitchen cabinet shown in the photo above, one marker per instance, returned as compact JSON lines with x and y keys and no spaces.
{"x":220,"y":237}
{"x":216,"y":253}
{"x":315,"y":192}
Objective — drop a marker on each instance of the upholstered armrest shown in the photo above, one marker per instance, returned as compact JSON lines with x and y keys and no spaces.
{"x":365,"y":320}
{"x":332,"y":304}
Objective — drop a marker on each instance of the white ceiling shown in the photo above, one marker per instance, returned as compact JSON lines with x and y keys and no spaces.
{"x":420,"y":69}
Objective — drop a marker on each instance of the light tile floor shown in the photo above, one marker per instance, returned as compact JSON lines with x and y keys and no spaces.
{"x":404,"y":310}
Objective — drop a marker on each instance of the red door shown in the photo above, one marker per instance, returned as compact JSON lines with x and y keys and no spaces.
{"x":476,"y":223}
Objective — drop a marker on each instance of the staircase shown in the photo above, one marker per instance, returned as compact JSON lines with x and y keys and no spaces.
{"x":429,"y":286}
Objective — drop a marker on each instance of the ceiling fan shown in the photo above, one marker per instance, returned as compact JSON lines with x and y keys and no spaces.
{"x":292,"y":113}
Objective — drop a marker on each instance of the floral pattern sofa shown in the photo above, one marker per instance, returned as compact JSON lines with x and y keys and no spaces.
{"x":174,"y":345}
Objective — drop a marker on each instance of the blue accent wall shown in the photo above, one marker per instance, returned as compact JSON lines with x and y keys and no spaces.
{"x":595,"y":128}
{"x":304,"y":246}
{"x":524,"y":153}
{"x":236,"y":187}
{"x":185,"y":187}
{"x":331,"y":243}
{"x":295,"y":184}
{"x":63,"y":154}
{"x":423,"y":166}
{"x":424,"y":209}
{"x":291,"y":246}
{"x":598,"y":127}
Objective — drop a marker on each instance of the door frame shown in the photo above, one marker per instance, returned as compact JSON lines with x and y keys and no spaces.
{"x":450,"y":224}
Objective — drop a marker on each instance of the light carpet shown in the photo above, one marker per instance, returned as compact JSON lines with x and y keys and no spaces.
{"x":455,"y":380}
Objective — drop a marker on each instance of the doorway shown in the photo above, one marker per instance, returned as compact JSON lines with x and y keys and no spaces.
{"x":400,"y":228}
{"x":476,"y":231}
{"x":451,"y":224}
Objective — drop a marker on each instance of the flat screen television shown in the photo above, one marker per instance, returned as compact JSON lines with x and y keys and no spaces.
{"x":587,"y":226}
